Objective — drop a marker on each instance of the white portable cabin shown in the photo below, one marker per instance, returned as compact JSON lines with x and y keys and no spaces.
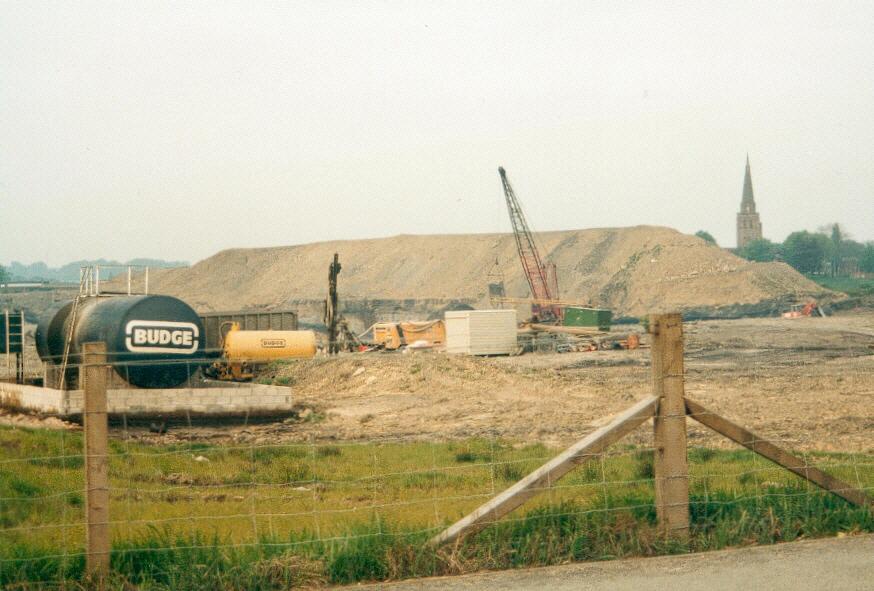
{"x":481,"y":332}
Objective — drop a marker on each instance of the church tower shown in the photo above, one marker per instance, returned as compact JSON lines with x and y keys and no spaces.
{"x":749,"y":227}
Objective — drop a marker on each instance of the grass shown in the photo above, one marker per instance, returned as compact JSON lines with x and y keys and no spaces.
{"x":272,"y":517}
{"x":852,"y":286}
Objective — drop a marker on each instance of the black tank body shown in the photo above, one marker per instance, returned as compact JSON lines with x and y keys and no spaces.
{"x":152,"y":341}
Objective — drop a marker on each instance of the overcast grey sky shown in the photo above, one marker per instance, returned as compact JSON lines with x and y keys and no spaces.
{"x":181,"y":129}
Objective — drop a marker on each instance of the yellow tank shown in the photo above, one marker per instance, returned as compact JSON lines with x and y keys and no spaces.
{"x":263,"y":345}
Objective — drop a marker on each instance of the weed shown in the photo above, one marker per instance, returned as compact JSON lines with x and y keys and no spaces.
{"x":644,"y":466}
{"x":509,"y":472}
{"x":701,"y":455}
{"x":24,"y":488}
{"x":427,"y":480}
{"x":274,"y":453}
{"x":592,"y":471}
{"x":297,"y":474}
{"x":327,"y":451}
{"x":746,"y":478}
{"x":71,"y":462}
{"x":289,"y":571}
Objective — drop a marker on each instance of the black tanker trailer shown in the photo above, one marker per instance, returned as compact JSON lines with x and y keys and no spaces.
{"x":152,"y":341}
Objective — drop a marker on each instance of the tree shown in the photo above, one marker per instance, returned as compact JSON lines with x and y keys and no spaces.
{"x":4,"y":276}
{"x":866,"y":260}
{"x":838,"y":238}
{"x":706,"y":236}
{"x":761,"y":251}
{"x":851,"y":249}
{"x":807,"y":252}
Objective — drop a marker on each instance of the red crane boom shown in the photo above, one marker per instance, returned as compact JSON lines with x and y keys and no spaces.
{"x":542,"y":278}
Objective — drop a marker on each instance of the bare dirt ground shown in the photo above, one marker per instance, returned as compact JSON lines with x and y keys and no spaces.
{"x":807,"y":382}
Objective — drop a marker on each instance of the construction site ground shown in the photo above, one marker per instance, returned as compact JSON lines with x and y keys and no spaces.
{"x":807,"y":382}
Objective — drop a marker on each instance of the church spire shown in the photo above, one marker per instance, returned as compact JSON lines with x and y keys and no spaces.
{"x":749,"y":226}
{"x":748,"y":204}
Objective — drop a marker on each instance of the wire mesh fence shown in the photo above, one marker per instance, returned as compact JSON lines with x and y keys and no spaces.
{"x":202,"y":495}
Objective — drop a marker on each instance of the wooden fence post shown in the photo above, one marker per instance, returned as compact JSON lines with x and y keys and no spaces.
{"x":96,"y":462}
{"x":669,"y":461}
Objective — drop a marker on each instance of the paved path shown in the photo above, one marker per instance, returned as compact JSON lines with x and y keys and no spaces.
{"x":834,"y":563}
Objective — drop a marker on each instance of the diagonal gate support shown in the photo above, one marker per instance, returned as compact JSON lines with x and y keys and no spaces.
{"x":542,"y":478}
{"x":669,"y":407}
{"x":776,"y":454}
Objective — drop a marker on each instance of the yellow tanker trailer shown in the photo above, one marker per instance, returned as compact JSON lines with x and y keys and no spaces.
{"x":244,"y":350}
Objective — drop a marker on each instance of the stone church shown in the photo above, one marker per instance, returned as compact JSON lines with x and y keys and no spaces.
{"x":749,"y":226}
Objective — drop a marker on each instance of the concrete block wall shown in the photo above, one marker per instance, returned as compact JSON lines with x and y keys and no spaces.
{"x":236,"y":400}
{"x":45,"y":400}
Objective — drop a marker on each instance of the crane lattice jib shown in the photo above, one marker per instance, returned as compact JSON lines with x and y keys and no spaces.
{"x":535,"y":271}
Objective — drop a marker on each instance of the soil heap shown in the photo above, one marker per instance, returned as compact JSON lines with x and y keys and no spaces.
{"x":632,"y":271}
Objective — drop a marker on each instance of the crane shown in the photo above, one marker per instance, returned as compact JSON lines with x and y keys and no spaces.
{"x":542,"y":278}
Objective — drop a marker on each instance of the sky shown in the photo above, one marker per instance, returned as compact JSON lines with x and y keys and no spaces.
{"x":175,"y":130}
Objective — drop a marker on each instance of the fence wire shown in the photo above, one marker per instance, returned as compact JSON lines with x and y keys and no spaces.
{"x":190,"y":489}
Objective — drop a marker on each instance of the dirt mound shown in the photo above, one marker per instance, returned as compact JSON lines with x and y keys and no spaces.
{"x":632,"y":271}
{"x":805,"y":382}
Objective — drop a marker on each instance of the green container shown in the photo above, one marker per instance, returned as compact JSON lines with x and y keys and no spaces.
{"x":590,"y":317}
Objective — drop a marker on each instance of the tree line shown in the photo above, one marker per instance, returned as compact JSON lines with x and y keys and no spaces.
{"x":828,"y":251}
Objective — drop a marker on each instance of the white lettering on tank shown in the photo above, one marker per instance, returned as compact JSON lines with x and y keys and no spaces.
{"x":162,"y":336}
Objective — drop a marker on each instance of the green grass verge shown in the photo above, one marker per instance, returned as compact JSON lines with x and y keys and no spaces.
{"x":851,"y":286}
{"x":274,"y":517}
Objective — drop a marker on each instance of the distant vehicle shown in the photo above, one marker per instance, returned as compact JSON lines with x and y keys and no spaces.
{"x":799,"y":311}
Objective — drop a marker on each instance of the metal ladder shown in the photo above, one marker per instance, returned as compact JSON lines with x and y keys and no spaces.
{"x":84,"y":289}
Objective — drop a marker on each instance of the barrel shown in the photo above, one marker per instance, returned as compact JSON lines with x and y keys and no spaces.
{"x":152,"y":341}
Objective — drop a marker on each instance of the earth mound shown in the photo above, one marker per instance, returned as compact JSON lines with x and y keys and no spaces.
{"x":633,"y":271}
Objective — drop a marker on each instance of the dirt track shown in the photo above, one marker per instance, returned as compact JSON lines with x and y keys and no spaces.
{"x":808,"y":382}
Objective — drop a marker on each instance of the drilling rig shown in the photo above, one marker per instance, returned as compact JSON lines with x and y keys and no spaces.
{"x":541,"y":275}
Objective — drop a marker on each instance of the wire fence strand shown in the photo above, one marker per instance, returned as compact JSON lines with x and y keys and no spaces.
{"x":185,"y":481}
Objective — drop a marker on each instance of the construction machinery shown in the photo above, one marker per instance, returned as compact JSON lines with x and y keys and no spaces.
{"x":808,"y":309}
{"x":391,"y":336}
{"x":541,"y":275}
{"x":340,"y":336}
{"x":547,"y":309}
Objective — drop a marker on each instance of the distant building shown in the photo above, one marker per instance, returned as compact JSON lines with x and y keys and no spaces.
{"x":749,"y":226}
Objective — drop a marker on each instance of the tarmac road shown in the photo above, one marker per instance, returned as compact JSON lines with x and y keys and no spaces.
{"x":833,"y":563}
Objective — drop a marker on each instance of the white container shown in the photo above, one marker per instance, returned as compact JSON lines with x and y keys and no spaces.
{"x":481,"y":332}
